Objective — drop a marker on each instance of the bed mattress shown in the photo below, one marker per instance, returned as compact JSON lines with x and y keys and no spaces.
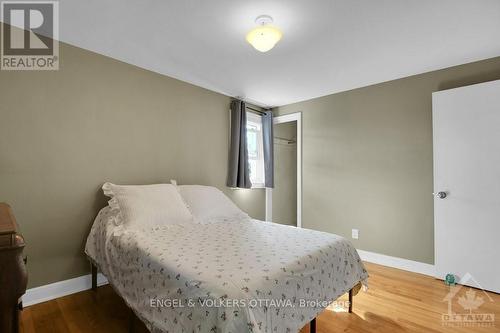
{"x":226,"y":275}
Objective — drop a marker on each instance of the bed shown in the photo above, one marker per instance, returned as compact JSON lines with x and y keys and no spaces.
{"x":221,"y":272}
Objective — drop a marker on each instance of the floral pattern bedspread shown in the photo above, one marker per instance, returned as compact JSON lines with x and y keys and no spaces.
{"x":228,"y":276}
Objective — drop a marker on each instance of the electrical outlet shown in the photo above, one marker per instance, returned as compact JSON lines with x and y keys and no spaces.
{"x":355,"y":233}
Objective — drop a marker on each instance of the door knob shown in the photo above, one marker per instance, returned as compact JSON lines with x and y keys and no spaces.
{"x":441,"y":195}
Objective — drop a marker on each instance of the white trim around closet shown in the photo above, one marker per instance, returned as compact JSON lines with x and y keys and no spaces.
{"x":296,"y":116}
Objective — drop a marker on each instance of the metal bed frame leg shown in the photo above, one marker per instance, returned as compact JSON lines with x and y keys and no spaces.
{"x":94,"y":277}
{"x":312,"y":326}
{"x":350,"y":301}
{"x":131,"y":319}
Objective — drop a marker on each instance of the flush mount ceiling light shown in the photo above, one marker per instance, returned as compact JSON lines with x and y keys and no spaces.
{"x":265,"y":36}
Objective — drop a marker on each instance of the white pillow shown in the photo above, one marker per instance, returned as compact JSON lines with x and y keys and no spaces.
{"x":146,"y":205}
{"x":208,"y":203}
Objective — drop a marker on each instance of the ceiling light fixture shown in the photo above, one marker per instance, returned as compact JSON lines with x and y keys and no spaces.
{"x":265,"y":36}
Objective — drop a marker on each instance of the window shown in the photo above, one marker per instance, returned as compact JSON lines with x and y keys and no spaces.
{"x":255,"y":149}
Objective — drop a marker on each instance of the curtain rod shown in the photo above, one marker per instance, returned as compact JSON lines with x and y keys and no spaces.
{"x":255,"y":110}
{"x":251,"y":108}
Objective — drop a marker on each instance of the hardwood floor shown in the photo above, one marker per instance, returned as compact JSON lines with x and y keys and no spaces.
{"x":397,"y":301}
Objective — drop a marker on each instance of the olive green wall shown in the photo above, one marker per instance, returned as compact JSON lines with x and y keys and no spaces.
{"x":367,"y":153}
{"x":64,"y":133}
{"x":367,"y":160}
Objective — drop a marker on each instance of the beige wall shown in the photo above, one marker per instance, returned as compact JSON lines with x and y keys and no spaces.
{"x":367,"y":153}
{"x":367,"y":160}
{"x":285,"y":174}
{"x":64,"y":133}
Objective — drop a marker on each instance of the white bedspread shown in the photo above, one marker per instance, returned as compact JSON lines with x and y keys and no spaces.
{"x":224,"y":276}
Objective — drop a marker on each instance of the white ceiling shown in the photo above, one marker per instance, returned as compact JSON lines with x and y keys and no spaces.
{"x":328,"y":45}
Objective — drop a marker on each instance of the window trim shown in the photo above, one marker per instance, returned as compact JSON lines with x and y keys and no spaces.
{"x":255,"y":118}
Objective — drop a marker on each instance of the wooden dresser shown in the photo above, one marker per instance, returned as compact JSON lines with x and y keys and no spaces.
{"x":13,"y":275}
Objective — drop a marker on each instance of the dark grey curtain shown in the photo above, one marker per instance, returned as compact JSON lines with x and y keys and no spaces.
{"x":238,"y":172}
{"x":268,"y":136}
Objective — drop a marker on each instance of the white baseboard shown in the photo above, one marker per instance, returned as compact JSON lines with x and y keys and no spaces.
{"x":71,"y":286}
{"x":60,"y":289}
{"x":395,"y":262}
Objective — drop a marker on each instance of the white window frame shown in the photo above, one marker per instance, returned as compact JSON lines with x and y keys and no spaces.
{"x":256,"y":120}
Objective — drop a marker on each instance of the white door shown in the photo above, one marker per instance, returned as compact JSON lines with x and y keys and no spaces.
{"x":466,"y":125}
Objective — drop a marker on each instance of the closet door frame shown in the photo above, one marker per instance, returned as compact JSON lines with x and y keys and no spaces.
{"x":286,"y":118}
